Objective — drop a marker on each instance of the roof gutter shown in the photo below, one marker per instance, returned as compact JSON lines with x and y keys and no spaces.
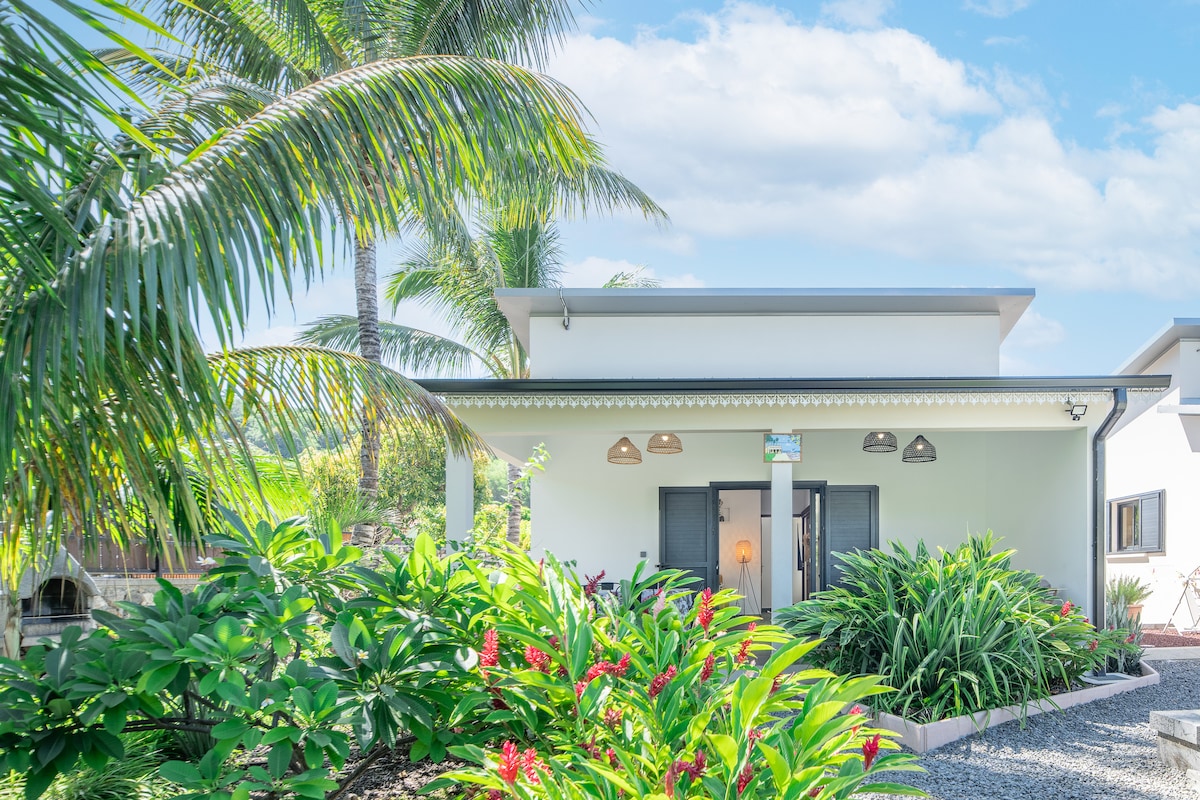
{"x":1100,"y":513}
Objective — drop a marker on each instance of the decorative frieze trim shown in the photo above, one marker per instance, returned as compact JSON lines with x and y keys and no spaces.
{"x":999,"y":397}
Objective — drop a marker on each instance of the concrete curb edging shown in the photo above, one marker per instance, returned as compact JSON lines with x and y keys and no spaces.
{"x":922,"y":738}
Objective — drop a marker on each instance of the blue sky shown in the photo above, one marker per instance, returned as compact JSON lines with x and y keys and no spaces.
{"x":1052,"y":144}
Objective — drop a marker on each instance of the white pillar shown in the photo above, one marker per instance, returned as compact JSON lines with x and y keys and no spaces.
{"x":460,"y":496}
{"x":783,"y":546}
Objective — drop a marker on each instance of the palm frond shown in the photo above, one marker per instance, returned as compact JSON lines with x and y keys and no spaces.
{"x":410,"y":349}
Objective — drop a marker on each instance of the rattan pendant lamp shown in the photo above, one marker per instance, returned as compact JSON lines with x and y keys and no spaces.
{"x":665,"y":444}
{"x":919,"y":451}
{"x":624,"y":452}
{"x":880,"y":442}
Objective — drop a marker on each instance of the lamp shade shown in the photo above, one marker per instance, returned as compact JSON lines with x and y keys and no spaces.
{"x":665,"y":443}
{"x":880,"y":442}
{"x":623,"y":452}
{"x":919,"y":451}
{"x":742,"y":551}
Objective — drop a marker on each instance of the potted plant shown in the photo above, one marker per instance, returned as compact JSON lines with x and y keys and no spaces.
{"x":1128,"y":593}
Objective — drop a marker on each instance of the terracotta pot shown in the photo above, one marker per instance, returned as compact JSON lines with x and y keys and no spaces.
{"x":1134,"y":610}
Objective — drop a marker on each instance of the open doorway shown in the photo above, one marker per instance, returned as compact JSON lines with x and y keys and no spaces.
{"x":744,"y":545}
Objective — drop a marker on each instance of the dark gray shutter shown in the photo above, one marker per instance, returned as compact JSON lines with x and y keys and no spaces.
{"x":851,"y":523}
{"x":686,"y":533}
{"x":1152,"y":518}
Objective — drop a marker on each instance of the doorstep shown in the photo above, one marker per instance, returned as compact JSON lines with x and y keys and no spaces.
{"x":922,"y":738}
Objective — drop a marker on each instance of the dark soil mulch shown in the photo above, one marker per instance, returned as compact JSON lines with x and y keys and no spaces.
{"x":392,"y":776}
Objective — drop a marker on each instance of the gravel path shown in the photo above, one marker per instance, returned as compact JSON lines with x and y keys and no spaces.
{"x":1104,"y":750}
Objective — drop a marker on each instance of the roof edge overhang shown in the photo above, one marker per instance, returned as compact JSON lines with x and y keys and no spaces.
{"x":521,"y":304}
{"x":443,"y":386}
{"x":1177,"y":329}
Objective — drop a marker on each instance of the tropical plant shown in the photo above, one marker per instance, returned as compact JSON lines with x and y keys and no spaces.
{"x":955,"y":633}
{"x":114,"y":249}
{"x":1122,"y":601}
{"x":282,"y":48}
{"x":134,"y":777}
{"x":621,"y":694}
{"x":515,"y":247}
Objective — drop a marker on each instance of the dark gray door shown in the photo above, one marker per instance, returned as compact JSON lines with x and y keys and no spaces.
{"x":851,"y":523}
{"x":687,"y":535}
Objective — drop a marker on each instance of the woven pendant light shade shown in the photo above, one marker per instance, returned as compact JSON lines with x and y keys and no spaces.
{"x":880,"y":442}
{"x":919,"y":451}
{"x":665,"y":443}
{"x":623,"y":452}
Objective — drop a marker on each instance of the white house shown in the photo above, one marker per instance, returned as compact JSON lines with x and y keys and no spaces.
{"x":1153,"y":489}
{"x":846,"y":380}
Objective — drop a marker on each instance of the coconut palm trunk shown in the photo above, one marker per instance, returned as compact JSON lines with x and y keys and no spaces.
{"x":366,"y":295}
{"x":514,"y":504}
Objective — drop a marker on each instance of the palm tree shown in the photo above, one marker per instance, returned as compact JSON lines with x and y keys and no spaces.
{"x":113,"y":249}
{"x":284,"y":46}
{"x":458,"y":276}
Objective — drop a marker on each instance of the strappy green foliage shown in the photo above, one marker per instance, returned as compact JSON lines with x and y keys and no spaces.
{"x":955,"y":632}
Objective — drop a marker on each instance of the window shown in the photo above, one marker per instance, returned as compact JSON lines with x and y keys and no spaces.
{"x":1135,"y":524}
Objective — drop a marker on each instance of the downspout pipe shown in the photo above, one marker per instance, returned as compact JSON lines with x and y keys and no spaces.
{"x":1100,"y":511}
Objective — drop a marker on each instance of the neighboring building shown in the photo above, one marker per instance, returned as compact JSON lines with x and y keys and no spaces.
{"x":847,"y":372}
{"x":1153,"y":488}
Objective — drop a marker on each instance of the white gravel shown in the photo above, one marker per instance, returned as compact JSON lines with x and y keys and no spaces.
{"x":1103,"y":750}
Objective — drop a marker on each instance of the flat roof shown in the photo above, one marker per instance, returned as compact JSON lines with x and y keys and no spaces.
{"x":521,"y":304}
{"x":1164,"y":340}
{"x":446,"y":386}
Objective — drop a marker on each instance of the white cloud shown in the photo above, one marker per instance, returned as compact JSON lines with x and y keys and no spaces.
{"x":871,"y":138}
{"x":997,"y":8}
{"x":593,"y":272}
{"x":856,"y":13}
{"x":1034,"y":331}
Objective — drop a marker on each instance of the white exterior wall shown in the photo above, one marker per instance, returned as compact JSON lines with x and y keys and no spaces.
{"x":1149,"y":452}
{"x":1028,"y":486}
{"x":728,"y":346}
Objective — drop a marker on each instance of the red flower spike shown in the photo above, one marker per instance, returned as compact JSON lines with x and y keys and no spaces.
{"x":1129,"y":639}
{"x":596,"y":670}
{"x":536,"y":659}
{"x":490,"y":655}
{"x":710,"y":664}
{"x":494,"y":794}
{"x":756,"y":734}
{"x":815,"y":791}
{"x":510,"y":763}
{"x":775,"y":684}
{"x":1066,"y":609}
{"x":593,"y":583}
{"x":744,"y":651}
{"x":579,"y":687}
{"x":613,"y":761}
{"x":533,"y":765}
{"x":553,"y":640}
{"x":870,"y":749}
{"x":696,"y":769}
{"x":1093,"y":644}
{"x":622,"y":666}
{"x":857,"y":710}
{"x":704,"y":614}
{"x":744,"y":778}
{"x":612,"y":718}
{"x":660,"y":680}
{"x":673,"y":773}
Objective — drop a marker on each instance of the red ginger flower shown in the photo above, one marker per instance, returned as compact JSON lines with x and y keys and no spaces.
{"x":856,"y":711}
{"x":612,"y":718}
{"x":696,"y":768}
{"x":814,"y":791}
{"x":593,"y":583}
{"x":613,"y":761}
{"x":704,"y":614}
{"x":490,"y":656}
{"x":1093,"y":644}
{"x":744,"y":651}
{"x":510,"y":763}
{"x":661,"y":679}
{"x":744,"y":778}
{"x":756,"y":734}
{"x":710,"y":664}
{"x":494,"y":794}
{"x":621,"y":668}
{"x":1129,"y":639}
{"x":579,"y":687}
{"x":596,"y":670}
{"x":533,"y":765}
{"x":870,"y":749}
{"x":1066,"y":609}
{"x":553,"y":640}
{"x":537,"y":659}
{"x":775,"y":684}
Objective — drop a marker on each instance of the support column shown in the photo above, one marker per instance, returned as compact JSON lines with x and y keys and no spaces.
{"x":460,"y":496}
{"x":783,"y":546}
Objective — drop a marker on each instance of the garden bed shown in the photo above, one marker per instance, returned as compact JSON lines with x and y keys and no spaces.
{"x":922,"y":738}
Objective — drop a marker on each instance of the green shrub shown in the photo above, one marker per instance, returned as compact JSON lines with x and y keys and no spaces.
{"x":955,"y":633}
{"x":1124,"y":592}
{"x":623,"y":695}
